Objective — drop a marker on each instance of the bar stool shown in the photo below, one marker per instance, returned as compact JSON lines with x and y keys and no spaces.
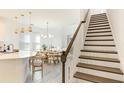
{"x":37,"y":61}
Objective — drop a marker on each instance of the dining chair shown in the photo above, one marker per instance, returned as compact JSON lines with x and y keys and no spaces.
{"x":37,"y":62}
{"x":53,"y":57}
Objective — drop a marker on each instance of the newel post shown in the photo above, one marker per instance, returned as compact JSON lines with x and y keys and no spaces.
{"x":63,"y":60}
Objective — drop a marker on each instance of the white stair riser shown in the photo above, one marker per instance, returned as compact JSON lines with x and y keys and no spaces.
{"x":101,"y":37}
{"x":106,"y":55}
{"x":101,"y":73}
{"x":100,"y":48}
{"x":106,"y":33}
{"x":100,"y":30}
{"x":99,"y":27}
{"x":100,"y":42}
{"x":100,"y":63}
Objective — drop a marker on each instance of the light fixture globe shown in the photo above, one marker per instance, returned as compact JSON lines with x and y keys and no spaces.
{"x":30,"y":25}
{"x":16,"y":30}
{"x":22,"y":28}
{"x":30,"y":29}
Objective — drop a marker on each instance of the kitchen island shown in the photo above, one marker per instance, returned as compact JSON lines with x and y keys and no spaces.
{"x":14,"y":67}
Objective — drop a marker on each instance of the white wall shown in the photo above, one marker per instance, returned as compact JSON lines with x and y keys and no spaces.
{"x":116,"y":19}
{"x":68,"y":31}
{"x":2,"y":28}
{"x":7,"y":32}
{"x":83,"y":13}
{"x":97,"y":11}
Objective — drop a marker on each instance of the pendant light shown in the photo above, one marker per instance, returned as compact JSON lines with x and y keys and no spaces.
{"x":46,"y":34}
{"x":22,"y":26}
{"x":30,"y":25}
{"x":16,"y":25}
{"x":47,"y":30}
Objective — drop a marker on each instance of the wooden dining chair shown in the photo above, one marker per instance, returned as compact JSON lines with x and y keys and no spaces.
{"x":53,"y":57}
{"x":37,"y":61}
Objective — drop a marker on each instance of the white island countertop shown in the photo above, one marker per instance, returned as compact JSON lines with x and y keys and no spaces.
{"x":14,"y":67}
{"x":16,"y":55}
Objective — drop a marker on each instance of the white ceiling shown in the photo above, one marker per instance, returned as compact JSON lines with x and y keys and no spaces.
{"x":55,"y":17}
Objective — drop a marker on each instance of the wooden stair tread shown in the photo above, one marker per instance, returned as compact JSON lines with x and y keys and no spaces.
{"x":90,"y":32}
{"x":93,"y":19}
{"x":105,"y":20}
{"x":100,"y":68}
{"x":99,"y":40}
{"x":99,"y":17}
{"x":98,"y":23}
{"x":96,"y":19}
{"x":95,"y":79}
{"x":99,"y":51}
{"x":99,"y":26}
{"x":98,"y":35}
{"x":99,"y":58}
{"x":99,"y":45}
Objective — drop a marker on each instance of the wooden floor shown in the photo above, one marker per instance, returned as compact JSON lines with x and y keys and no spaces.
{"x":52,"y":74}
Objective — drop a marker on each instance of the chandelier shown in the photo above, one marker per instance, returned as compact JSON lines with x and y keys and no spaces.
{"x":47,"y":35}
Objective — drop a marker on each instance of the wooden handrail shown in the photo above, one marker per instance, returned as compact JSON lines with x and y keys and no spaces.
{"x":73,"y":39}
{"x":65,"y":53}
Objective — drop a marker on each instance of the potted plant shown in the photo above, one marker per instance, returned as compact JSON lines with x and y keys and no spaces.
{"x":44,"y":47}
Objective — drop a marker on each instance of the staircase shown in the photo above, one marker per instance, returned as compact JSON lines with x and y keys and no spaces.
{"x":99,"y":61}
